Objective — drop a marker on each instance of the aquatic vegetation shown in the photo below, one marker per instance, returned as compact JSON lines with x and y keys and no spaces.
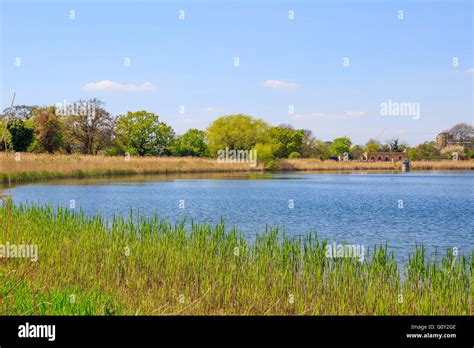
{"x":25,"y":167}
{"x":312,"y":164}
{"x":30,"y":167}
{"x":147,"y":266}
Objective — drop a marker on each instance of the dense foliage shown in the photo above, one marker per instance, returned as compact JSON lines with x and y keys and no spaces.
{"x":237,"y":132}
{"x":21,"y":135}
{"x":142,"y":133}
{"x":85,"y":126}
{"x":191,"y":143}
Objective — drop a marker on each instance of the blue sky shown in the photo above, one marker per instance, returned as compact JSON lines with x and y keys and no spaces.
{"x":283,"y":62}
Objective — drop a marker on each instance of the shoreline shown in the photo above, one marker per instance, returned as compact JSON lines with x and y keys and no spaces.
{"x":40,"y":167}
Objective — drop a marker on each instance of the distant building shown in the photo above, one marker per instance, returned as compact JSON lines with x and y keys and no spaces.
{"x":385,"y":156}
{"x":442,"y":140}
{"x":445,"y":139}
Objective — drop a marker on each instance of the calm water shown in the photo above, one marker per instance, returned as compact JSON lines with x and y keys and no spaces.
{"x":358,"y":208}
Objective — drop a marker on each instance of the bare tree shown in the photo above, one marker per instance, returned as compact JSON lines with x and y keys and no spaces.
{"x":462,"y":132}
{"x":286,"y":126}
{"x":308,"y":146}
{"x":89,"y":126}
{"x":373,"y":141}
{"x":20,"y":112}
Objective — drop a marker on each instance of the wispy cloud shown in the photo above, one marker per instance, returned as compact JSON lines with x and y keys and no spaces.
{"x":318,"y":116}
{"x":280,"y":84}
{"x":107,"y":85}
{"x":470,"y":70}
{"x":212,"y":110}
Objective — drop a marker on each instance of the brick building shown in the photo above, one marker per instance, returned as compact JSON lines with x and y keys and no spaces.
{"x":385,"y":156}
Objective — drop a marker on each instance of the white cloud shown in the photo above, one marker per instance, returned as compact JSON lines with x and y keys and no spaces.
{"x":353,"y":114}
{"x":280,"y":84}
{"x":318,"y":116}
{"x":470,"y":71}
{"x":212,"y":110}
{"x":105,"y":85}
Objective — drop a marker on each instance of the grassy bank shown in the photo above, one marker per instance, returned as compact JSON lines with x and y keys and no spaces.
{"x":42,"y":166}
{"x":157,"y":268}
{"x":311,"y":164}
{"x":29,"y":167}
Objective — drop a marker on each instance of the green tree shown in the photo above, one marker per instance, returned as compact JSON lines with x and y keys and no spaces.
{"x":385,"y":148}
{"x":17,"y":120}
{"x":143,"y":133}
{"x":237,"y":132}
{"x":372,"y":146}
{"x":22,"y":135}
{"x":321,"y":150}
{"x":340,"y":146}
{"x":265,"y":153}
{"x":425,"y":151}
{"x":49,"y":130}
{"x":286,"y":140}
{"x":191,"y":143}
{"x":5,"y":141}
{"x":308,"y":146}
{"x":402,"y":147}
{"x":395,"y":145}
{"x":470,"y":150}
{"x":356,"y":152}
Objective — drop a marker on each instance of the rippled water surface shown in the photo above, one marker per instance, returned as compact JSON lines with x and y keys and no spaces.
{"x":435,"y":209}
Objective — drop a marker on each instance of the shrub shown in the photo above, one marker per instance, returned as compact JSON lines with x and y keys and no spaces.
{"x":271,"y":165}
{"x":114,"y":151}
{"x":265,"y":152}
{"x":21,"y":136}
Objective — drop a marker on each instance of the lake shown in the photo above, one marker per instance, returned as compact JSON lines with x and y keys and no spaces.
{"x":432,"y":208}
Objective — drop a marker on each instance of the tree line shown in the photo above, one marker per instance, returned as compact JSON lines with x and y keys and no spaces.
{"x":85,"y":126}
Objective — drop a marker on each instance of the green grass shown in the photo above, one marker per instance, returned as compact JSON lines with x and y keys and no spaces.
{"x":146,"y":266}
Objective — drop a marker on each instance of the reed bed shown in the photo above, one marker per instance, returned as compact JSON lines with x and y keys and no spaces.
{"x":312,"y":164}
{"x":28,"y":167}
{"x":146,"y":266}
{"x":443,"y":165}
